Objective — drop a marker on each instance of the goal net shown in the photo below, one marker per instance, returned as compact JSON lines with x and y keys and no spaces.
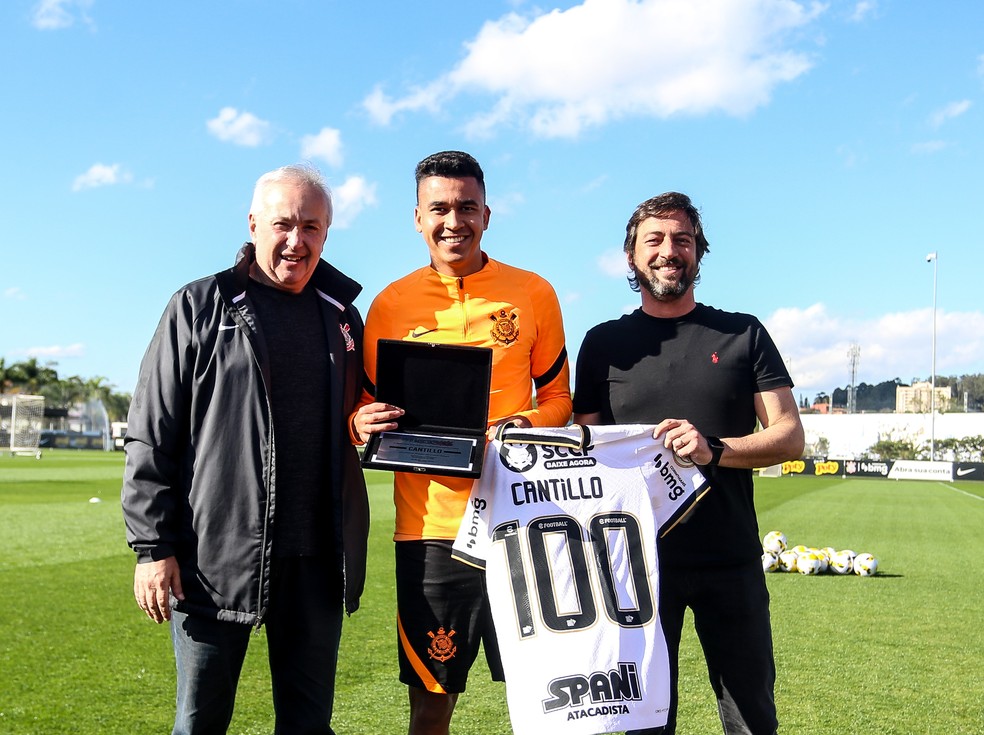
{"x":21,"y":418}
{"x":771,"y":471}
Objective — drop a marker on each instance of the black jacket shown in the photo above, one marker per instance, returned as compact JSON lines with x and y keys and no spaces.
{"x":200,"y":482}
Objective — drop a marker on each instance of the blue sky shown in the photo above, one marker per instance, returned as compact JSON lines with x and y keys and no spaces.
{"x":830,"y":147}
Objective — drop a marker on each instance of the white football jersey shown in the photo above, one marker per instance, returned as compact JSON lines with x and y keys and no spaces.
{"x":565,"y":522}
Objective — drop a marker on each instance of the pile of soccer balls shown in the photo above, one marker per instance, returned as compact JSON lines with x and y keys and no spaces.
{"x":777,"y":557}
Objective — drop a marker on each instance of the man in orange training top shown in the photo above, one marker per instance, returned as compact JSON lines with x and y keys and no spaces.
{"x":462,"y":297}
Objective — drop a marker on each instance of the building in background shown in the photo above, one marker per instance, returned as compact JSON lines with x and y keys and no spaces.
{"x":917,"y":398}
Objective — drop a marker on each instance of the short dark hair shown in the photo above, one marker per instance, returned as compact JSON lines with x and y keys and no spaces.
{"x":659,"y":206}
{"x":450,"y":165}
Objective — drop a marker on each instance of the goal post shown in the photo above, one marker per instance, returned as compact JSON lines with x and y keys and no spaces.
{"x":21,"y":419}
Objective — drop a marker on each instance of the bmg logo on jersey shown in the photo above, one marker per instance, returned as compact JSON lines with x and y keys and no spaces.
{"x":598,"y":688}
{"x":676,"y":485}
{"x":478,"y":505}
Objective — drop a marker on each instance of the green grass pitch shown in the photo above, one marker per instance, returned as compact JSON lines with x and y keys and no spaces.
{"x":898,"y":653}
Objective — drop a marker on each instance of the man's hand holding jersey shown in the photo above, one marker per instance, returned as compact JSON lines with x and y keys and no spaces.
{"x":682,"y":438}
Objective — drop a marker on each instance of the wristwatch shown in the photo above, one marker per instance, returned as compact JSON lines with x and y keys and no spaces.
{"x":717,"y":448}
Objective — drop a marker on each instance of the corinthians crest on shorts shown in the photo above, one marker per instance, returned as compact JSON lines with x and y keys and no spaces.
{"x":442,"y":647}
{"x":505,"y":326}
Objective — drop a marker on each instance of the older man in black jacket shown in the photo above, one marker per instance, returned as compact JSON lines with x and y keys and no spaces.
{"x":243,"y":497}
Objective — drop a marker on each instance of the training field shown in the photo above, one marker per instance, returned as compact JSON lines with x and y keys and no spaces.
{"x":899,"y":653}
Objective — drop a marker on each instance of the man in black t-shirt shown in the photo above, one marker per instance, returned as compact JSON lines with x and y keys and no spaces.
{"x":705,"y":377}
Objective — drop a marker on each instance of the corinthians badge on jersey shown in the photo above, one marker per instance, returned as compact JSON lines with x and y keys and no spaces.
{"x":442,"y":647}
{"x":518,"y":457}
{"x":505,"y":327}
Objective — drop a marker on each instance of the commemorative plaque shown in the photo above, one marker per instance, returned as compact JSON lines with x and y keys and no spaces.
{"x":444,"y":391}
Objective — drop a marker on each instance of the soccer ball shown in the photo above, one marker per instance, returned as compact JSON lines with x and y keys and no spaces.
{"x":774,"y":541}
{"x":787,"y":561}
{"x":842,"y":562}
{"x":770,"y":562}
{"x":808,"y":563}
{"x":865,"y":565}
{"x":824,"y":560}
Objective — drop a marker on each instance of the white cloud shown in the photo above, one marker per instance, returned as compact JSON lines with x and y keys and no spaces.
{"x":349,"y":199}
{"x":102,"y":175}
{"x":382,"y":109}
{"x":849,"y":156}
{"x":54,"y":351}
{"x":239,"y":128}
{"x":863,"y":10}
{"x":14,"y":293}
{"x":595,"y":183}
{"x":612,"y":263}
{"x":929,"y":146}
{"x":815,"y":344}
{"x":564,"y":71}
{"x":53,"y":15}
{"x":507,"y":203}
{"x":326,"y":145}
{"x":952,"y":110}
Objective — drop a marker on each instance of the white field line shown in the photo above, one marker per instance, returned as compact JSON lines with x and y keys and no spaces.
{"x":958,"y":490}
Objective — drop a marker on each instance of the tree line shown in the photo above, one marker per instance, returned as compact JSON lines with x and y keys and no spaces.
{"x":30,"y":376}
{"x":880,"y":398}
{"x":964,"y":449}
{"x":34,"y":378}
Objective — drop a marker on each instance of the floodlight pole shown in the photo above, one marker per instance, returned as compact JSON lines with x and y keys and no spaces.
{"x":934,"y":257}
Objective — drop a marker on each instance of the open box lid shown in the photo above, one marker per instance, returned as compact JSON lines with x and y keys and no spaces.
{"x":441,"y":387}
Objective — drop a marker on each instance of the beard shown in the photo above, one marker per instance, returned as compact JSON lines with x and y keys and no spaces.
{"x":665,"y":290}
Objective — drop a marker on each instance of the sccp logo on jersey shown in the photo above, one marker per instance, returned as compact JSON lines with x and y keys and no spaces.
{"x":523,"y":457}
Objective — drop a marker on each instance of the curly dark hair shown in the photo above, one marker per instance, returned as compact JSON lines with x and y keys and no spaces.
{"x":659,"y":206}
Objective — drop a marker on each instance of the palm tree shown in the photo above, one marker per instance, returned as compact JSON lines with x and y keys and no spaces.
{"x":4,"y":381}
{"x":29,"y":376}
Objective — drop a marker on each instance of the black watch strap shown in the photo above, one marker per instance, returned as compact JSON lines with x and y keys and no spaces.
{"x":717,"y":449}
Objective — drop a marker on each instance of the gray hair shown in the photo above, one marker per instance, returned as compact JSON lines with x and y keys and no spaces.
{"x":299,"y":173}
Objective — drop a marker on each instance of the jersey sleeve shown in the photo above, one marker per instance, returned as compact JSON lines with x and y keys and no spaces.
{"x":472,"y":543}
{"x":677,"y":488}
